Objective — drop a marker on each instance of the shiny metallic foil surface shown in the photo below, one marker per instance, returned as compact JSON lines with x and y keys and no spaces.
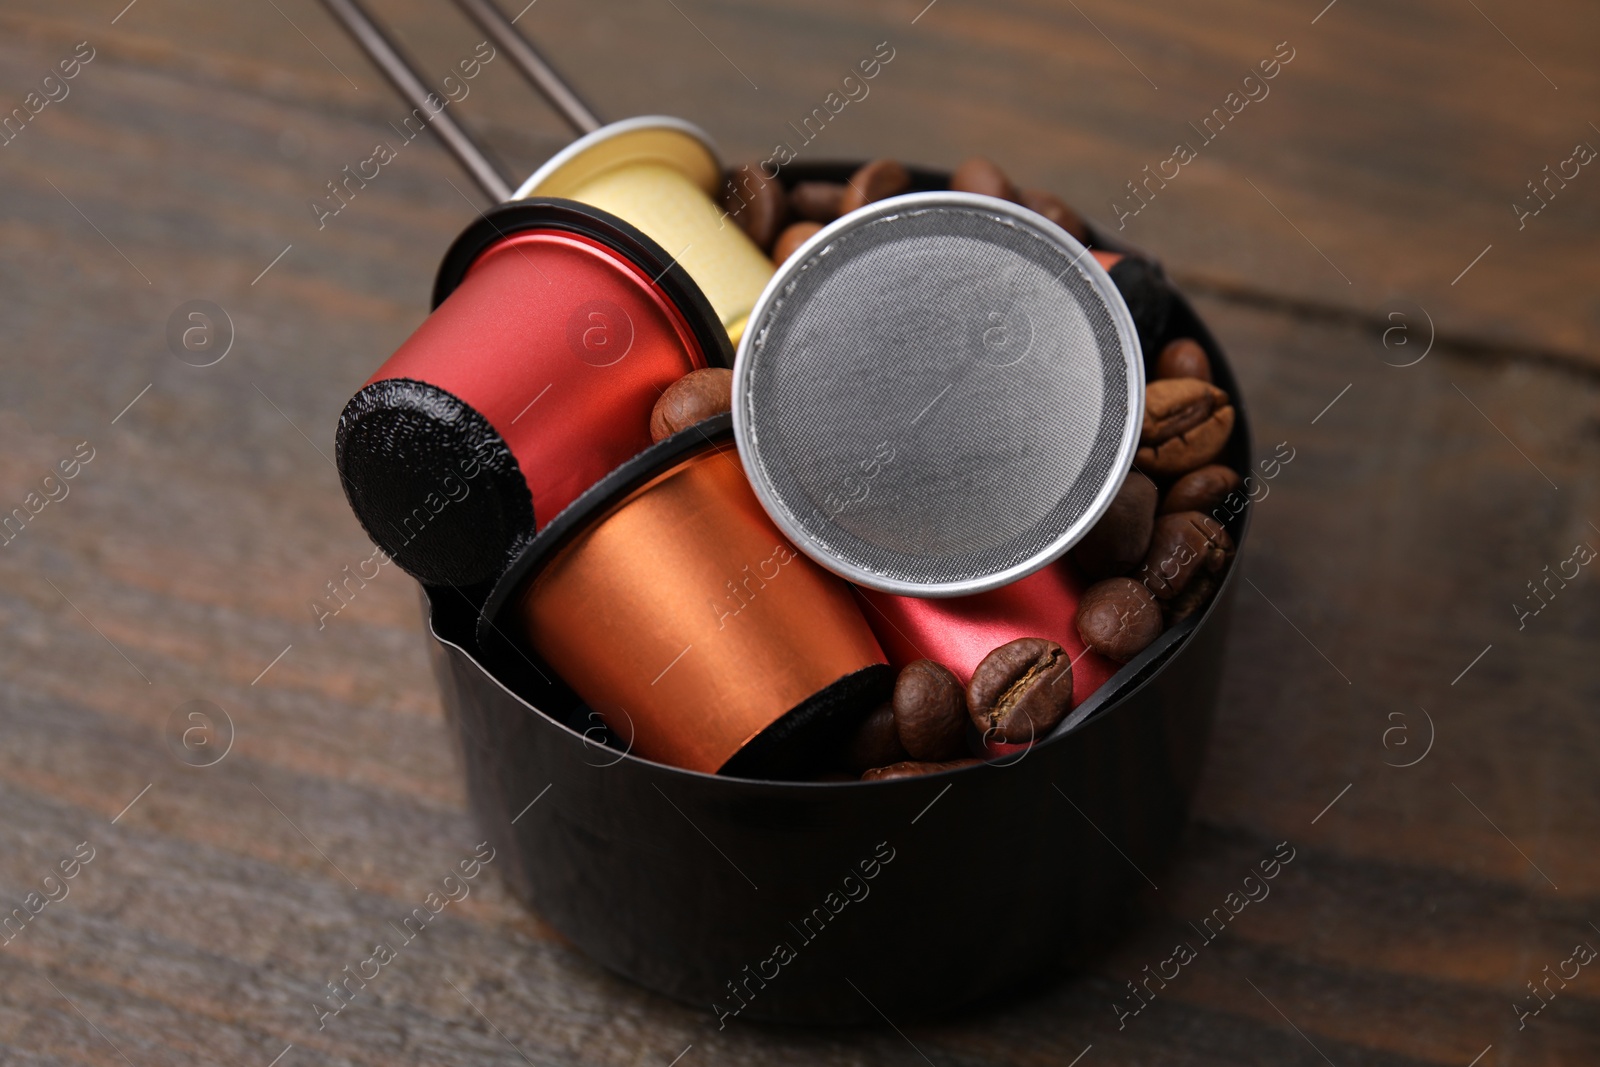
{"x":688,"y":621}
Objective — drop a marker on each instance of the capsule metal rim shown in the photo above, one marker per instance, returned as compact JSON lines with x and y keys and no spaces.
{"x":580,"y":148}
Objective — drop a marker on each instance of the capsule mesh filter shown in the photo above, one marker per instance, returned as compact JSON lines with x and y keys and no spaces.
{"x":938,"y":394}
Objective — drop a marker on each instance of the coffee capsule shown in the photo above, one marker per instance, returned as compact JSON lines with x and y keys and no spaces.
{"x":667,"y":599}
{"x":1145,"y":290}
{"x":960,"y":631}
{"x":938,"y":394}
{"x":556,"y":327}
{"x":662,"y":175}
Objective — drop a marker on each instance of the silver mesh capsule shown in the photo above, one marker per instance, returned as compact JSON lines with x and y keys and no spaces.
{"x":938,"y":394}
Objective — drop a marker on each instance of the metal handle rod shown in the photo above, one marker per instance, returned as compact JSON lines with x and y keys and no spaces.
{"x":532,"y":64}
{"x":403,"y":77}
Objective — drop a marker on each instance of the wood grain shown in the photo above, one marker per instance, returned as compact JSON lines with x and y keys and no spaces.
{"x":186,"y":555}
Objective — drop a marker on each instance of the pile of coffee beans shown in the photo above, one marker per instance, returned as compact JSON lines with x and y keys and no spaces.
{"x":1017,"y":694}
{"x":1156,"y":556}
{"x":780,"y":221}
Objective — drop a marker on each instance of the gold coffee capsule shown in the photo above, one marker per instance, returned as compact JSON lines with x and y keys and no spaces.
{"x":661,"y":174}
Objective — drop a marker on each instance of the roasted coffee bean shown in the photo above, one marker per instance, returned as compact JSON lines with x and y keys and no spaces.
{"x":1201,"y":490}
{"x":930,"y":711}
{"x":914,"y":769}
{"x":759,"y":206}
{"x":1118,"y":618}
{"x":1057,"y":211}
{"x":1118,"y":542}
{"x":1186,"y":424}
{"x":878,"y":180}
{"x":792,"y":238}
{"x":1174,"y":405}
{"x":693,"y":398}
{"x":1198,"y":594}
{"x":1021,"y":690}
{"x":1194,"y":448}
{"x":1185,"y":544}
{"x":1144,"y":289}
{"x":816,"y":201}
{"x":1183,"y":358}
{"x":979,"y":175}
{"x":876,"y":742}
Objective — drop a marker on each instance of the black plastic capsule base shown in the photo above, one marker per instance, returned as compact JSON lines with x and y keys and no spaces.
{"x":432,"y":483}
{"x":810,"y":735}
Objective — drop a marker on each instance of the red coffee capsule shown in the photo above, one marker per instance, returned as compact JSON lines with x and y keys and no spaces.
{"x":556,"y":326}
{"x":959,"y":631}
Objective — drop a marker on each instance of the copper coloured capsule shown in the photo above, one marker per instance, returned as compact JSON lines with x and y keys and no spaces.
{"x":668,"y":600}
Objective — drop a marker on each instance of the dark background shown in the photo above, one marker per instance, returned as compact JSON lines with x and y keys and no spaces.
{"x":1384,"y":567}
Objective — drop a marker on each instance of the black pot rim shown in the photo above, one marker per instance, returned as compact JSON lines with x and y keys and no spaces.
{"x":569,"y":216}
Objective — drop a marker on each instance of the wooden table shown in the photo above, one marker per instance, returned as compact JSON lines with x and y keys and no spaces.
{"x":1370,"y":190}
